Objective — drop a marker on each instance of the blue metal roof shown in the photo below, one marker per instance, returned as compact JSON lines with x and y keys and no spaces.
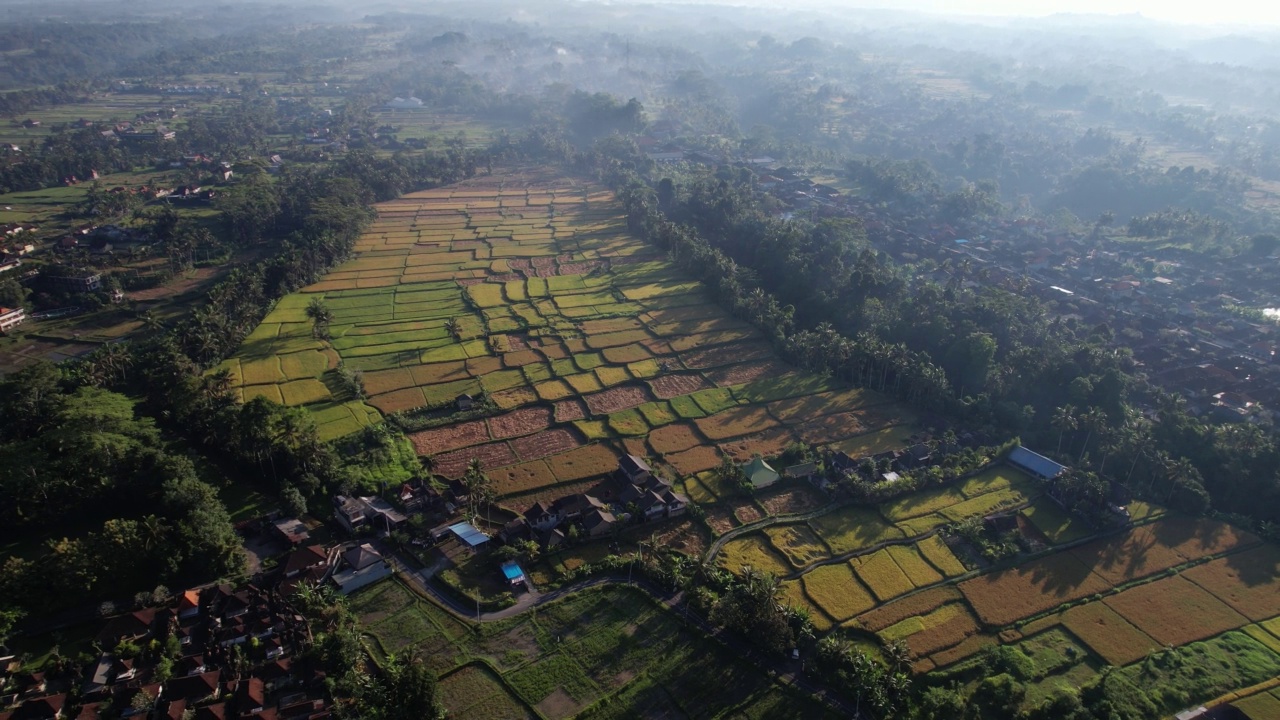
{"x":512,"y":571}
{"x":468,"y":534}
{"x":1036,"y":463}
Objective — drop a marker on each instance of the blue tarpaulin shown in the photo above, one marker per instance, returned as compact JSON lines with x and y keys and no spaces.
{"x":513,"y":572}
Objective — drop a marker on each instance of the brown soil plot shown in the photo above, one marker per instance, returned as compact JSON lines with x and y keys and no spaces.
{"x":724,"y":355}
{"x":694,"y":461}
{"x":493,"y":455}
{"x":674,"y":438}
{"x":744,"y":373}
{"x":669,"y":386}
{"x":544,"y":444}
{"x":452,"y":437}
{"x":619,"y":398}
{"x":520,"y":422}
{"x":765,"y":444}
{"x":570,"y":410}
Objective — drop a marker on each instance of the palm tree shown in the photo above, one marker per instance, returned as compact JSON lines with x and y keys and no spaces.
{"x":1064,"y":419}
{"x":1093,"y":420}
{"x":320,"y":316}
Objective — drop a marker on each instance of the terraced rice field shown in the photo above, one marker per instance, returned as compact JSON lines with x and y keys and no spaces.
{"x":522,"y":288}
{"x":1176,"y":582}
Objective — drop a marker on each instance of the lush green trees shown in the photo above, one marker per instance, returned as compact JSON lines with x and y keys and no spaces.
{"x":82,"y":458}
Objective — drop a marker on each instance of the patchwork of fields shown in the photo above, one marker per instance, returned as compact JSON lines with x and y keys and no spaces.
{"x":525,"y":287}
{"x":834,"y":565}
{"x":603,"y":653}
{"x":1199,"y":585}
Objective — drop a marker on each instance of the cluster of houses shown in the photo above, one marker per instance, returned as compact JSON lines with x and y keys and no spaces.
{"x":1178,"y":310}
{"x":216,"y":653}
{"x":637,"y":495}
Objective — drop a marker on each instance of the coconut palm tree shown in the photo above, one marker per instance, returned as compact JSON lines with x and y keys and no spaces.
{"x":320,"y":316}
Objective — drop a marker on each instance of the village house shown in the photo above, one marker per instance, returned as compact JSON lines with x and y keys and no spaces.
{"x":357,"y":513}
{"x":361,"y":566}
{"x":11,"y":318}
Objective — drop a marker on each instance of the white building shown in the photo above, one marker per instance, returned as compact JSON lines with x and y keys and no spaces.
{"x":11,"y":318}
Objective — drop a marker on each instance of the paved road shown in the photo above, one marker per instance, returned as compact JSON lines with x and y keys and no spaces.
{"x":785,"y":670}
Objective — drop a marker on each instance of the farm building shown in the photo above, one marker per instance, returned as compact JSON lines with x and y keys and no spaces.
{"x":1035,"y":463}
{"x":468,"y":535}
{"x":760,"y":474}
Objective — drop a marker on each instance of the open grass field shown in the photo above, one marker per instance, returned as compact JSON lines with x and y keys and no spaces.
{"x":523,"y":287}
{"x":610,"y":652}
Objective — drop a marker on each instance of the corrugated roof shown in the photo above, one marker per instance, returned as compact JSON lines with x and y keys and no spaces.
{"x":1036,"y":463}
{"x":468,"y":534}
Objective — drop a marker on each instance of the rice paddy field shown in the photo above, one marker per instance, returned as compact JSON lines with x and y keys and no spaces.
{"x":1193,"y":587}
{"x":523,"y":287}
{"x":600,"y":653}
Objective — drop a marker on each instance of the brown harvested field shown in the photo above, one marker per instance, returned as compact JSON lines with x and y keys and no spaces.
{"x":674,"y":438}
{"x":454,"y":464}
{"x":685,"y":536}
{"x":798,"y":499}
{"x":584,"y":462}
{"x":807,"y":407}
{"x":847,"y":424}
{"x":720,"y":520}
{"x":1137,"y":553}
{"x":1248,"y":581}
{"x":1115,"y":639}
{"x":385,"y":381}
{"x":452,"y":437}
{"x":1194,"y":538}
{"x":521,"y":358}
{"x":612,"y":400}
{"x":520,"y":422}
{"x":442,"y":372}
{"x":705,"y":358}
{"x":545,"y":444}
{"x":398,"y":401}
{"x":1009,"y":595}
{"x":735,"y":422}
{"x":669,"y":386}
{"x":1175,"y":611}
{"x":693,"y":461}
{"x":765,"y":444}
{"x":949,"y":632}
{"x":524,"y":477}
{"x":626,"y":354}
{"x":745,"y":512}
{"x":570,"y":410}
{"x":745,"y":373}
{"x":921,"y":603}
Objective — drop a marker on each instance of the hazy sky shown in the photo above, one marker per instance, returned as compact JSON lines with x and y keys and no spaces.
{"x":1239,"y":12}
